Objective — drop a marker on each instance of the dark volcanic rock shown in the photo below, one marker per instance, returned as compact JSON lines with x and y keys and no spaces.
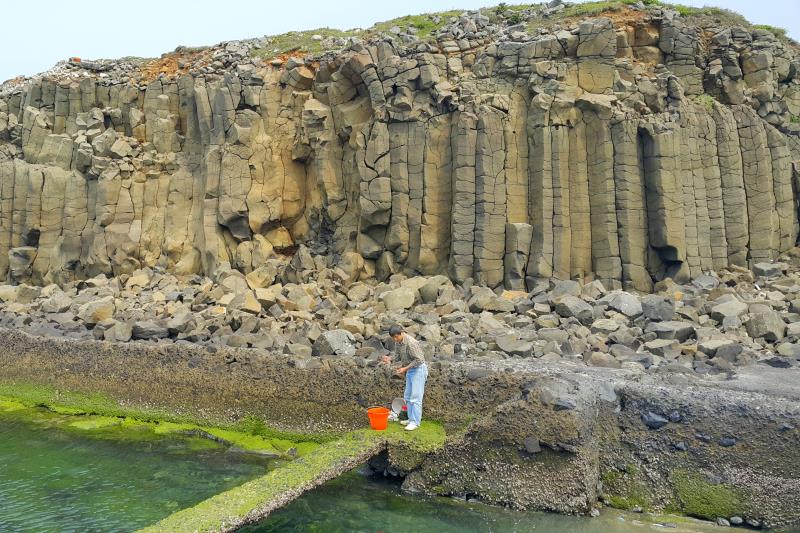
{"x":654,"y":421}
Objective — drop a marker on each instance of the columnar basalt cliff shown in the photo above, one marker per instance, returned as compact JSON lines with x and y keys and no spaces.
{"x":230,"y":232}
{"x":627,"y":147}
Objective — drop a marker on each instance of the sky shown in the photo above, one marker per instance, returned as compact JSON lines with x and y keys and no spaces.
{"x":93,"y":29}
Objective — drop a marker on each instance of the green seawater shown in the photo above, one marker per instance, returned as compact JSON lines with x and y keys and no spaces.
{"x":55,"y":477}
{"x":357,"y":503}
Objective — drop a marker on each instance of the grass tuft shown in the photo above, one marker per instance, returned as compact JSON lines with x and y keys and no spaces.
{"x":780,"y":33}
{"x":707,"y":101}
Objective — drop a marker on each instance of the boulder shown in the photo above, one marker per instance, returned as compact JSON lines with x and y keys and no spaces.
{"x":705,"y":282}
{"x":672,"y":330}
{"x":359,"y":292}
{"x":268,"y":297}
{"x":769,"y":270}
{"x":571,"y":306}
{"x":399,"y":299}
{"x":181,"y":322}
{"x":247,"y":302}
{"x":148,"y":329}
{"x":653,"y":420}
{"x":119,"y":332}
{"x":767,"y":325}
{"x":605,"y":326}
{"x":296,"y":298}
{"x":334,"y":342}
{"x":666,"y":348}
{"x":531,"y":444}
{"x":731,"y":308}
{"x":710,"y":347}
{"x":97,"y":310}
{"x":352,"y":324}
{"x":429,"y":292}
{"x":263,"y":276}
{"x":27,"y":294}
{"x":564,"y":288}
{"x":657,"y":308}
{"x":624,"y":302}
{"x":8,"y":293}
{"x":511,"y":344}
{"x":140,"y":278}
{"x":57,"y":303}
{"x":603,"y":360}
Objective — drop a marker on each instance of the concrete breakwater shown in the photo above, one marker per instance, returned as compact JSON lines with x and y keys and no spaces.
{"x":525,"y":434}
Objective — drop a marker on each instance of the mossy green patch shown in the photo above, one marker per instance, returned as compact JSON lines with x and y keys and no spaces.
{"x":428,"y":437}
{"x":594,"y":8}
{"x":703,"y":499}
{"x":707,"y":101}
{"x":241,"y":440}
{"x":255,"y":426}
{"x":10,"y":405}
{"x":100,"y":412}
{"x":624,"y":490}
{"x":62,"y":410}
{"x":96,"y":422}
{"x":75,"y":402}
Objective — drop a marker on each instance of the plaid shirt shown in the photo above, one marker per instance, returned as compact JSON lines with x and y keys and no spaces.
{"x":409,"y":351}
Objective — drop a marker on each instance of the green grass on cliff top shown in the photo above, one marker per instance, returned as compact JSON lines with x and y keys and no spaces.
{"x":425,"y":24}
{"x":300,"y":41}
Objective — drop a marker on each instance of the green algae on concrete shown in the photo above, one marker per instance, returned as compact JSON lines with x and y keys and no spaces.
{"x":243,"y":441}
{"x":254,"y":500}
{"x":96,"y":422}
{"x":10,"y":405}
{"x":250,"y":434}
{"x":101,"y":425}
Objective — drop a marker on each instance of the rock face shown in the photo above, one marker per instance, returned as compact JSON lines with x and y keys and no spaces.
{"x":619,"y":149}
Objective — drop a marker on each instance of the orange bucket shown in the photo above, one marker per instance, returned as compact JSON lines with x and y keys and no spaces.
{"x":378,"y":418}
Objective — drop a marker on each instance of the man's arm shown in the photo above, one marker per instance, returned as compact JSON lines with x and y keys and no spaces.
{"x":389,"y":357}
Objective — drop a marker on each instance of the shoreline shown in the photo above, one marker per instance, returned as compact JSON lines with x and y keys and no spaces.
{"x":589,"y":424}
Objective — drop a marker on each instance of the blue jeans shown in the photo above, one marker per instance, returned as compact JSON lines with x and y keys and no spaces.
{"x":415,"y":390}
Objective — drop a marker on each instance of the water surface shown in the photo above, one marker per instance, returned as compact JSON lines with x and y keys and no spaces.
{"x":60,"y":479}
{"x":357,"y":503}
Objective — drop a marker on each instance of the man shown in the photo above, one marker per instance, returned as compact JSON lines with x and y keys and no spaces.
{"x":409,"y":351}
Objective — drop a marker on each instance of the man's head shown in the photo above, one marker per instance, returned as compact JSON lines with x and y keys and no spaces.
{"x":396,"y":333}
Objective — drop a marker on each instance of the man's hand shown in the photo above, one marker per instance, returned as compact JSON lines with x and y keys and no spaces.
{"x":386,"y":359}
{"x":402,"y":370}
